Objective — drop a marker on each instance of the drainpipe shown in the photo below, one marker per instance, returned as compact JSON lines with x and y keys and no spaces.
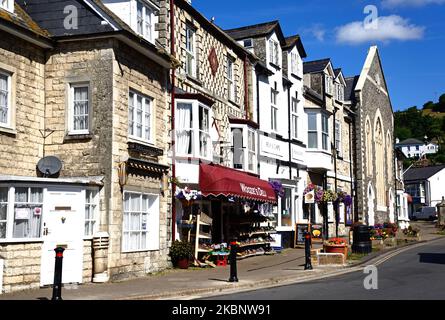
{"x":350,"y":167}
{"x":246,"y":89}
{"x":289,"y":130}
{"x":173,"y":80}
{"x":258,"y":118}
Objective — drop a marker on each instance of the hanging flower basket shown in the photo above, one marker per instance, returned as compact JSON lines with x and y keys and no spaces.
{"x":187,"y":196}
{"x":277,"y":187}
{"x":329,"y":196}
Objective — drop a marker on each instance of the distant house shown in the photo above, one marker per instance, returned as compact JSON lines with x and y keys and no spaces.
{"x":425,"y":186}
{"x":413,"y":148}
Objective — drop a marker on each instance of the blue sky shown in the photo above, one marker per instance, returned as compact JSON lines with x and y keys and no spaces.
{"x":410,"y":36}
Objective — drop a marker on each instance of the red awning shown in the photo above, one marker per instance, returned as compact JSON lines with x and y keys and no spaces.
{"x":215,"y":180}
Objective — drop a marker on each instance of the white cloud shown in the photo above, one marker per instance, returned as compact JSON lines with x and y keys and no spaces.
{"x":317,"y":31}
{"x":409,"y":3}
{"x":388,"y":28}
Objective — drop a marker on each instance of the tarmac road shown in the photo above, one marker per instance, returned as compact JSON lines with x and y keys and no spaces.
{"x":415,"y":274}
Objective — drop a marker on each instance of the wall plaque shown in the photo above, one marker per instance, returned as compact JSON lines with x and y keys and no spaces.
{"x":213,"y":59}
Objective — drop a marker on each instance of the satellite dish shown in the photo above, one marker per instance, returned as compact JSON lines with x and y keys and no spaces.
{"x":49,"y":166}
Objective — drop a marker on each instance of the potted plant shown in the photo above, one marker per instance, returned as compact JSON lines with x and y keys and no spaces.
{"x":336,"y":245}
{"x":181,"y":252}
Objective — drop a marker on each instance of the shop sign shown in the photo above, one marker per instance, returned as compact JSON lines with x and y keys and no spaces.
{"x":256,"y":191}
{"x":309,"y":197}
{"x":297,"y":153}
{"x":273,"y":147}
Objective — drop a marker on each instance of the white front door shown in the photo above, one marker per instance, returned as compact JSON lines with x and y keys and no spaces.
{"x":63,"y":216}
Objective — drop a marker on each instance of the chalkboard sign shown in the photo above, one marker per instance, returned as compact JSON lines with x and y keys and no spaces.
{"x":301,"y":229}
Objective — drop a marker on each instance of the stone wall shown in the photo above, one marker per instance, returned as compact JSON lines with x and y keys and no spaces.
{"x":23,"y":145}
{"x":21,"y":266}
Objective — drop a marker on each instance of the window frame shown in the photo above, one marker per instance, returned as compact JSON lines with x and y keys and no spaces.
{"x":195,"y":129}
{"x":72,"y":87}
{"x":96,"y":213}
{"x":9,"y":105}
{"x":274,"y":109}
{"x":10,"y":212}
{"x":324,"y":134}
{"x":190,"y":51}
{"x":230,"y":76}
{"x":338,"y":137}
{"x":246,"y":134}
{"x":151,"y":23}
{"x":155,"y":202}
{"x":9,"y":6}
{"x":294,"y":63}
{"x":274,"y":52}
{"x":294,"y":118}
{"x":132,"y":136}
{"x":309,"y":130}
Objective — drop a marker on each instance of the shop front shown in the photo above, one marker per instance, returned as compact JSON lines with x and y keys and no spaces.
{"x":226,"y":205}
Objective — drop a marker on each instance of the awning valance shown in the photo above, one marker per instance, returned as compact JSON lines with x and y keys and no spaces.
{"x":215,"y":180}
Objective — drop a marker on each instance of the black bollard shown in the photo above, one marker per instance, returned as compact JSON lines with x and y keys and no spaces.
{"x":232,"y":259}
{"x":57,"y":286}
{"x":307,"y":249}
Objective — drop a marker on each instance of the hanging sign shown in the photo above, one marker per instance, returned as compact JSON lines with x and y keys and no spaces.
{"x":309,"y":197}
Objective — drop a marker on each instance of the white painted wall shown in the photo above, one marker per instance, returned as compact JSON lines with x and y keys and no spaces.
{"x":437,"y":191}
{"x":121,"y":8}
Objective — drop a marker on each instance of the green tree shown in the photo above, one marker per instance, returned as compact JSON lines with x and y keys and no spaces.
{"x":428,"y":105}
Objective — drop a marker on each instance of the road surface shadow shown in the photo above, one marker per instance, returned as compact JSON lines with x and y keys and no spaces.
{"x":438,"y":258}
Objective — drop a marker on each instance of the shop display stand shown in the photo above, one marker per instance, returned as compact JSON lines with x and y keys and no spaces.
{"x":200,"y":235}
{"x":254,"y":238}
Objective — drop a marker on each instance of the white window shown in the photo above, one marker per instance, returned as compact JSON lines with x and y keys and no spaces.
{"x":294,"y":63}
{"x":5,"y":99}
{"x":193,"y":130}
{"x":328,"y":81}
{"x":141,"y":222}
{"x":241,"y":151}
{"x":145,"y":21}
{"x":3,"y":211}
{"x":294,"y":118}
{"x":204,"y":132}
{"x":273,"y":110}
{"x":7,"y":5}
{"x":230,"y":80}
{"x":190,"y":48}
{"x":79,"y":108}
{"x":139,"y":117}
{"x":340,"y":92}
{"x":312,"y":131}
{"x":325,"y":132}
{"x":251,"y":157}
{"x":274,"y":52}
{"x":91,"y":212}
{"x":338,"y":145}
{"x":26,"y":212}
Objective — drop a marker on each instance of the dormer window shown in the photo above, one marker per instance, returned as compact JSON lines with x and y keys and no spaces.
{"x":145,"y":25}
{"x":328,"y":81}
{"x":7,"y":5}
{"x":274,"y":53}
{"x":294,"y":63}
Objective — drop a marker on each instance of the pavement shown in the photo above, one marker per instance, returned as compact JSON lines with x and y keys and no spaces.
{"x":253,"y":273}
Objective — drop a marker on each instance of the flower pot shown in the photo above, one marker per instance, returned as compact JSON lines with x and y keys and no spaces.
{"x":336,"y":248}
{"x":183,"y":263}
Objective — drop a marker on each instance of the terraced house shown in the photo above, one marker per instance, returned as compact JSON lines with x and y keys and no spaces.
{"x":83,"y":151}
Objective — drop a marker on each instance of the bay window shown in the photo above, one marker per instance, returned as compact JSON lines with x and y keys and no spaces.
{"x":5,"y":101}
{"x":325,"y":132}
{"x":193,"y":129}
{"x":140,"y":231}
{"x":312,"y":131}
{"x":251,"y":160}
{"x":190,"y":49}
{"x":3,"y":211}
{"x":139,"y":117}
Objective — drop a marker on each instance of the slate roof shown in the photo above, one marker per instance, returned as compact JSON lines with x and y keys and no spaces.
{"x":256,"y":30}
{"x":410,"y":141}
{"x":22,"y":20}
{"x":315,"y":66}
{"x":351,"y":83}
{"x":422,"y":173}
{"x":337,"y":72}
{"x":295,"y":40}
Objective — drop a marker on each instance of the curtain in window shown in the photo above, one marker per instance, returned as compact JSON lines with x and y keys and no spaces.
{"x":183,"y":130}
{"x":27,"y":212}
{"x":3,"y":99}
{"x":81,"y":108}
{"x":238,"y":151}
{"x":204,"y":136}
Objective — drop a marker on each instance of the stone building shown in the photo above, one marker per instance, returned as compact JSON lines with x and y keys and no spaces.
{"x":369,"y":99}
{"x":89,"y":94}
